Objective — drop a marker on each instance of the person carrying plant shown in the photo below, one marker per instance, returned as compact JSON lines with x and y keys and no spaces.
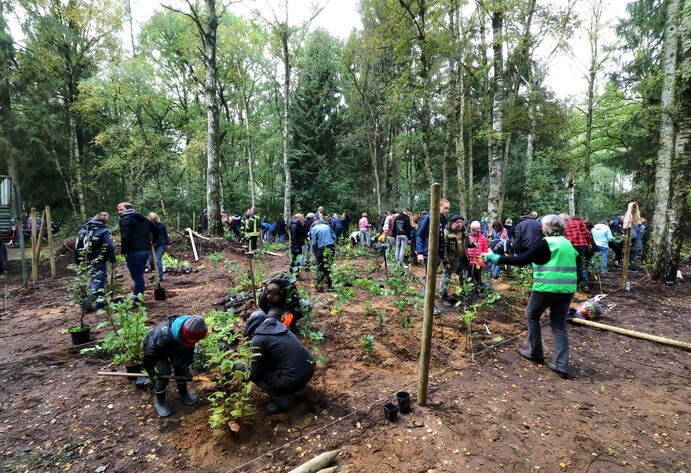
{"x":555,"y":282}
{"x":169,"y":347}
{"x":323,"y":240}
{"x":280,"y":299}
{"x":422,"y":240}
{"x":94,"y":244}
{"x":283,"y":365}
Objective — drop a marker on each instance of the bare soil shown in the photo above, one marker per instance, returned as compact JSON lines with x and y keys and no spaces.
{"x":625,"y":408}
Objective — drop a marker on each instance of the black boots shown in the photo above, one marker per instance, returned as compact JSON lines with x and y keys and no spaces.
{"x":162,"y":407}
{"x":189,"y":398}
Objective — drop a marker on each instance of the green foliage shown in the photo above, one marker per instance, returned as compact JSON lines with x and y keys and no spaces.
{"x":78,"y":288}
{"x":381,"y":321}
{"x":368,"y":307}
{"x":227,"y":349}
{"x":523,"y":281}
{"x":367,"y":343}
{"x":125,"y":341}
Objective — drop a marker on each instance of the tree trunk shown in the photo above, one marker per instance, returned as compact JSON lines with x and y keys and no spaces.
{"x":213,"y":164}
{"x":287,"y":192}
{"x":395,"y":164}
{"x":76,"y":163}
{"x":572,"y":194}
{"x":6,"y":59}
{"x":373,"y":151}
{"x":661,"y":250}
{"x":496,"y":170}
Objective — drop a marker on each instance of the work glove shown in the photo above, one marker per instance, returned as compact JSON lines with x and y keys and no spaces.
{"x":152,"y":375}
{"x":492,"y":258}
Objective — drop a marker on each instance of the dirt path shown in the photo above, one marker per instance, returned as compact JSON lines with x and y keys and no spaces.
{"x":626,"y":408}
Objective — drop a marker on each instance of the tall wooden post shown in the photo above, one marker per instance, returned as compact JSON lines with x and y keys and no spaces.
{"x":51,"y":253}
{"x":17,"y":202}
{"x":430,"y":286}
{"x":626,"y":258}
{"x":34,"y":264}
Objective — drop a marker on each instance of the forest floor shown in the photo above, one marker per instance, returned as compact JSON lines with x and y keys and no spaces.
{"x":626,"y":407}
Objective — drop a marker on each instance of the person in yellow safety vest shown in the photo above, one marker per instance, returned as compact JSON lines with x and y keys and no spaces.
{"x":555,"y":277}
{"x":250,"y":229}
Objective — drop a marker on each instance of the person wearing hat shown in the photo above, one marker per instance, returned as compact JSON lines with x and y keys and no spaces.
{"x":169,"y":347}
{"x":454,"y":258}
{"x":283,"y":365}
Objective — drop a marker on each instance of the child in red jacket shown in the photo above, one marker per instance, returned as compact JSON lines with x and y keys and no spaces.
{"x":475,"y":254}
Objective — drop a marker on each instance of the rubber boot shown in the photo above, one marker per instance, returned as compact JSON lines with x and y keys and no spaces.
{"x":278,"y":404}
{"x":162,"y":407}
{"x":189,"y":398}
{"x":445,"y":301}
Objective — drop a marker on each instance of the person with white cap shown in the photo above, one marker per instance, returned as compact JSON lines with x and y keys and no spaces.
{"x":169,"y":347}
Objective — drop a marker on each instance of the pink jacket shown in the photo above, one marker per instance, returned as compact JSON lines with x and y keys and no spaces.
{"x":481,"y":246}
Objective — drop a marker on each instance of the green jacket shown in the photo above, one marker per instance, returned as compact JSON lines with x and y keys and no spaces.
{"x":455,"y":247}
{"x":559,"y":274}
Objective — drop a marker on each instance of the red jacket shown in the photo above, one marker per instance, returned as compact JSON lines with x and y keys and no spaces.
{"x":577,"y":232}
{"x":481,"y":246}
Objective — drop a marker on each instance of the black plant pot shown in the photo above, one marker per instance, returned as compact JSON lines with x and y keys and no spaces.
{"x":390,"y":411}
{"x":403,"y":402}
{"x":81,"y":337}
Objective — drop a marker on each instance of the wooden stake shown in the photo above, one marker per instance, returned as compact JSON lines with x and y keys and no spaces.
{"x":194,"y":247}
{"x":178,"y":227}
{"x":51,"y":254}
{"x":34,"y":266}
{"x":632,"y":333}
{"x":430,"y":286}
{"x":625,"y":262}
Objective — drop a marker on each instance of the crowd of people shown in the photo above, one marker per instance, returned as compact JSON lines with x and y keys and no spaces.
{"x":557,"y":246}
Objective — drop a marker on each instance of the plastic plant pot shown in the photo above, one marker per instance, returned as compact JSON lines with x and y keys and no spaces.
{"x":403,"y":402}
{"x":81,"y":337}
{"x":390,"y":411}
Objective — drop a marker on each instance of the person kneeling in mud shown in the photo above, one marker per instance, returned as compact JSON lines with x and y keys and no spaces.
{"x":283,"y":365}
{"x":169,"y":347}
{"x":280,"y":300}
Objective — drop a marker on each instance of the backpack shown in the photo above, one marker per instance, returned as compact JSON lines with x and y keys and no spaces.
{"x":277,"y":276}
{"x":87,"y":243}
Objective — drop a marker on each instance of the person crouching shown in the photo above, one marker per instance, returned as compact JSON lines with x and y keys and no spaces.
{"x":284,"y":366}
{"x":169,"y":347}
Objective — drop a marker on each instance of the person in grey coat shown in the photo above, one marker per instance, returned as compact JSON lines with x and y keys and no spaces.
{"x":284,"y":366}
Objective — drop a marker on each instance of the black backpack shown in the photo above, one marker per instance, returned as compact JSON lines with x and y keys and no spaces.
{"x":87,"y":244}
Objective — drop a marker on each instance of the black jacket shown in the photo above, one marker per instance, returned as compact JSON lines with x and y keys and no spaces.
{"x":297,"y":235}
{"x":160,"y":344}
{"x":284,"y":365}
{"x":162,"y":239}
{"x":136,"y":232}
{"x":528,"y":233}
{"x":402,"y":226}
{"x":100,"y":243}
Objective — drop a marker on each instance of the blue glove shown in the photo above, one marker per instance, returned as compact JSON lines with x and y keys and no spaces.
{"x":492,"y":258}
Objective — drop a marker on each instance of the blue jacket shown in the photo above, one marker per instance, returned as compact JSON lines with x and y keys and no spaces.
{"x":322,"y":235}
{"x":422,"y":236}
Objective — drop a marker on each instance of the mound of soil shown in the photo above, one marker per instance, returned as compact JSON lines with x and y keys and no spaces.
{"x":626,"y":406}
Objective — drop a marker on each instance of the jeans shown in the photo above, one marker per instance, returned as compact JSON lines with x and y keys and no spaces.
{"x":604,"y":251}
{"x":558,"y":305}
{"x":281,"y":238}
{"x":401,"y":243}
{"x":99,"y":273}
{"x":136,"y":261}
{"x":307,"y":252}
{"x":390,"y":246}
{"x":159,"y":260}
{"x":364,"y":237}
{"x":496,"y":269}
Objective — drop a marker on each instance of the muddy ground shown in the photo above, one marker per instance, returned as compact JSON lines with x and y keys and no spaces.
{"x":625,"y":408}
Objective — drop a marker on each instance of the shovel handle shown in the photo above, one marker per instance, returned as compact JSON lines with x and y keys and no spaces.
{"x":145,"y":375}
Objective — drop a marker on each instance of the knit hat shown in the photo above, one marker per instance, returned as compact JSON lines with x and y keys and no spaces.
{"x":255,"y":320}
{"x":475,"y":226}
{"x":455,"y":217}
{"x":194,"y":329}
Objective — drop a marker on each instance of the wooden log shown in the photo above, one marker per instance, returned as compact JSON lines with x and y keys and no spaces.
{"x":317,"y":463}
{"x":632,"y":333}
{"x":331,"y":469}
{"x":198,"y":235}
{"x":625,"y":259}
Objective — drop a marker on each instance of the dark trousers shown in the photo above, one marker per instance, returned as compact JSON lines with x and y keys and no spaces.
{"x":580,"y":265}
{"x":136,"y":261}
{"x":325,"y":258}
{"x":295,"y":259}
{"x":558,"y":305}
